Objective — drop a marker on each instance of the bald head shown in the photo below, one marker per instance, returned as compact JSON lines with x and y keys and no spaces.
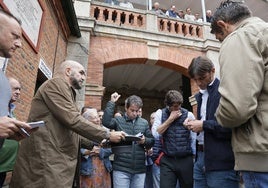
{"x":73,"y":72}
{"x":67,"y":64}
{"x":209,"y":13}
{"x":10,"y":34}
{"x":7,"y":14}
{"x":156,"y":5}
{"x":15,"y":88}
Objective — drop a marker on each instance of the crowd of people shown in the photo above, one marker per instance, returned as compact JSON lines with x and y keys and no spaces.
{"x":172,"y":12}
{"x":180,"y":14}
{"x":225,"y":143}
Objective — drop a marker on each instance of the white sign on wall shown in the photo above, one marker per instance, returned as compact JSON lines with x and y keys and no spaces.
{"x":3,"y":63}
{"x":30,"y":12}
{"x":45,"y":69}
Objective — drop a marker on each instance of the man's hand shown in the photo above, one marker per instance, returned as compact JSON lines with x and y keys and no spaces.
{"x":115,"y":96}
{"x":149,"y":152}
{"x":174,"y":115}
{"x":186,"y":123}
{"x":142,"y":140}
{"x":195,"y":125}
{"x":117,"y":136}
{"x":10,"y":128}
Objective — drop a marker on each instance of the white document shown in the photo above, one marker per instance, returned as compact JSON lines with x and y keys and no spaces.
{"x":37,"y":124}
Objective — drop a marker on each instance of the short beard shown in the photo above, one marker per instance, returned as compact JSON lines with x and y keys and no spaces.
{"x":75,"y":83}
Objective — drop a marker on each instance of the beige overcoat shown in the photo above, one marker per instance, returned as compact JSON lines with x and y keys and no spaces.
{"x":48,"y":158}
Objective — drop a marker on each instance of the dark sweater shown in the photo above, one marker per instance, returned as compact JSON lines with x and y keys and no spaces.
{"x":217,"y":140}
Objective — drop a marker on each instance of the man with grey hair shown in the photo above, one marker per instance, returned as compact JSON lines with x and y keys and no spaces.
{"x":209,"y":15}
{"x":172,"y":12}
{"x":49,"y":157}
{"x":244,"y":102}
{"x":126,"y":4}
{"x":8,"y":152}
{"x":157,"y":9}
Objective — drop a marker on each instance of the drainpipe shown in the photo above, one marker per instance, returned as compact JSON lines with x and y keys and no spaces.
{"x":204,"y":10}
{"x":149,"y":4}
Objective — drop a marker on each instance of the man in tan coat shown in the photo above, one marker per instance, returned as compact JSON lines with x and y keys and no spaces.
{"x":48,"y":157}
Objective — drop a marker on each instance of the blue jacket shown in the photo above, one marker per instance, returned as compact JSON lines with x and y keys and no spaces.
{"x":86,"y":161}
{"x":157,"y":148}
{"x":176,"y":139}
{"x":172,"y":14}
{"x":217,"y":140}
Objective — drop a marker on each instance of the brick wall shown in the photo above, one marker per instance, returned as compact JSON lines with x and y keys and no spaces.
{"x":24,"y":64}
{"x":109,"y":51}
{"x":104,"y":52}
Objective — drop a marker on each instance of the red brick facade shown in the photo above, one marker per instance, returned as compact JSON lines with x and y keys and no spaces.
{"x":104,"y":52}
{"x":107,"y":51}
{"x":24,"y":64}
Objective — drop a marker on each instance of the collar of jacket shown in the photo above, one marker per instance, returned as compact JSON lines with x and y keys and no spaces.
{"x":130,"y":120}
{"x":212,"y":86}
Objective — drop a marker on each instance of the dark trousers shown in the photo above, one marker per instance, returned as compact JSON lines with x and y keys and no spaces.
{"x":176,"y":168}
{"x":149,"y":177}
{"x":2,"y":178}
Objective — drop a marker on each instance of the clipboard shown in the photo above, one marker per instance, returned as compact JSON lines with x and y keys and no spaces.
{"x":132,"y":138}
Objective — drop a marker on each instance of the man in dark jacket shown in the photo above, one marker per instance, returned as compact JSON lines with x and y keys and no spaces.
{"x":129,"y":162}
{"x":215,"y":158}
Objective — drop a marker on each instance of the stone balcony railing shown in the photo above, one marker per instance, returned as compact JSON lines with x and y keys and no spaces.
{"x":140,"y":19}
{"x":180,"y":27}
{"x":118,"y":17}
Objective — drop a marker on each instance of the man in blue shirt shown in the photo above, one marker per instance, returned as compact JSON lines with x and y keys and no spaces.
{"x":172,"y":12}
{"x":10,"y":40}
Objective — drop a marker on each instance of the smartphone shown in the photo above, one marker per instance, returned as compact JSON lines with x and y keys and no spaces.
{"x":37,"y":124}
{"x":24,"y":132}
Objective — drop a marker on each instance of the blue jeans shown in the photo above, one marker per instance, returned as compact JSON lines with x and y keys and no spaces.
{"x":128,"y":180}
{"x":156,"y":176}
{"x":255,"y":179}
{"x":203,"y":179}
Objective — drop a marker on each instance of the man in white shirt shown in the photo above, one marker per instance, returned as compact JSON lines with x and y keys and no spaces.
{"x":126,"y":4}
{"x":177,"y":141}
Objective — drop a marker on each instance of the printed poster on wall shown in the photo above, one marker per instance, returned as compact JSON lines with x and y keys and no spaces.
{"x":30,"y":12}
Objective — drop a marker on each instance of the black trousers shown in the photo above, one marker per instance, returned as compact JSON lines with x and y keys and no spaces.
{"x":2,"y":178}
{"x":176,"y":168}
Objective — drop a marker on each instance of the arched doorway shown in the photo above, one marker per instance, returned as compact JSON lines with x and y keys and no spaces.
{"x":150,"y":82}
